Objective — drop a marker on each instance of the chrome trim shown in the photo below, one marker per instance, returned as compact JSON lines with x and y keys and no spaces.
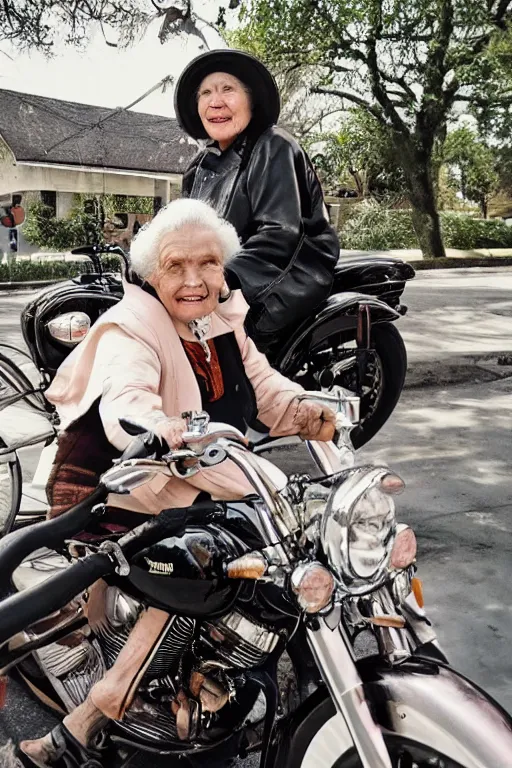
{"x":70,"y":328}
{"x":277,"y":515}
{"x":395,"y":644}
{"x":125,"y":477}
{"x":120,"y":608}
{"x":329,"y":458}
{"x":333,"y":655}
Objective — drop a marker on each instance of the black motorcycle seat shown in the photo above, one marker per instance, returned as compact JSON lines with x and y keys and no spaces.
{"x":365,"y":260}
{"x":358,"y":270}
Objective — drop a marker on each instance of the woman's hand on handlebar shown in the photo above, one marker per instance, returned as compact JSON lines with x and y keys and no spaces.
{"x":315,"y":421}
{"x":171,"y":429}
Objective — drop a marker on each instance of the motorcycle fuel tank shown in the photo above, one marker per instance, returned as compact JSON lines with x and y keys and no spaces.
{"x":185,"y":574}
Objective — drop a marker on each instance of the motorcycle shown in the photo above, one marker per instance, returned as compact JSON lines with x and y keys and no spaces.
{"x":316,"y":570}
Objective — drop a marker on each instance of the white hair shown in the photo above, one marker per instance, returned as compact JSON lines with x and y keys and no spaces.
{"x":144,"y":251}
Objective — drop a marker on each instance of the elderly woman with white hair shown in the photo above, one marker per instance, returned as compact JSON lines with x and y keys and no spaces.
{"x":174,"y":343}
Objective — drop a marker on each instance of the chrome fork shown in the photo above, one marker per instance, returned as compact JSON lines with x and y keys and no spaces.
{"x":333,"y":654}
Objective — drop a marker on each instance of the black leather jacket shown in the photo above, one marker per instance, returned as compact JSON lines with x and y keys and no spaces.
{"x":266,"y":187}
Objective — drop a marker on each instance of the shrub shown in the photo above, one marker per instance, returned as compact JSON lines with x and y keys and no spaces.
{"x":23,"y":271}
{"x":466,"y":232}
{"x":44,"y":230}
{"x":372,"y":227}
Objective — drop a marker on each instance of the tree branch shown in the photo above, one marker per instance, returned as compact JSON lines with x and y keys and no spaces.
{"x":501,"y":11}
{"x":401,"y":82}
{"x":378,"y":90}
{"x":375,"y":111}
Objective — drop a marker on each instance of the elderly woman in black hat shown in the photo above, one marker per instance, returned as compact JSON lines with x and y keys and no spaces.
{"x":258,"y":178}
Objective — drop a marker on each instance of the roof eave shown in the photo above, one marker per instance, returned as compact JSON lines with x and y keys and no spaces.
{"x":165,"y":175}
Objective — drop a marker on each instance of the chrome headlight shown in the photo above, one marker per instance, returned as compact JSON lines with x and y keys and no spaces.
{"x":358,"y":528}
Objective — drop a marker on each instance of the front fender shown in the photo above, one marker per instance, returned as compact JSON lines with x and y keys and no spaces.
{"x":338,"y":313}
{"x":419,"y":701}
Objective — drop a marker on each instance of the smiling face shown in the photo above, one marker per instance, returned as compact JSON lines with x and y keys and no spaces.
{"x":190,"y":274}
{"x":224,"y":107}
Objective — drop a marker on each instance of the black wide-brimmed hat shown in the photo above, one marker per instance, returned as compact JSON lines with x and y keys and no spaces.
{"x":249,"y":70}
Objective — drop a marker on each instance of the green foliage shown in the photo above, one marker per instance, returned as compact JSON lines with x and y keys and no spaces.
{"x":301,"y":113}
{"x":362,"y":152}
{"x":113,"y":204}
{"x":372,"y":227}
{"x":375,"y":228}
{"x":466,"y":232}
{"x":44,"y":230}
{"x":24,"y":271}
{"x":472,"y":163}
{"x":492,"y":100}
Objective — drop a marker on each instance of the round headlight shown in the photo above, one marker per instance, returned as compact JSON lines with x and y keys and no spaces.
{"x":358,"y":529}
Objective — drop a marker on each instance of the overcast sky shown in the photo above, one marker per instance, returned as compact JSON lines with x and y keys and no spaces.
{"x":102,"y":75}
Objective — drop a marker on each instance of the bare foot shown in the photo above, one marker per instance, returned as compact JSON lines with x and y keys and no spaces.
{"x":84,"y":722}
{"x":41,"y":751}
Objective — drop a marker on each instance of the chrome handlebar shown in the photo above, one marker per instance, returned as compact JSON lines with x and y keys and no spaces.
{"x":208,"y":444}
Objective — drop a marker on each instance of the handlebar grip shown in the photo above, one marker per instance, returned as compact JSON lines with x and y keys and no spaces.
{"x":19,"y":544}
{"x":24,"y":608}
{"x":144,"y":447}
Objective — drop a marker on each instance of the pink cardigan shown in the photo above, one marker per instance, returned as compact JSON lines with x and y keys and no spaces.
{"x":134,"y":361}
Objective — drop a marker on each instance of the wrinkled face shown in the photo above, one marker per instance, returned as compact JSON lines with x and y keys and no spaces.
{"x":190,"y":274}
{"x":224,"y":107}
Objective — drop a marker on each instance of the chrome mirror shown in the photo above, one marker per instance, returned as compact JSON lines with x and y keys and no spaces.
{"x":70,"y":328}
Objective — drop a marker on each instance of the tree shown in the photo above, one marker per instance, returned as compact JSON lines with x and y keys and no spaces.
{"x":361,"y":150}
{"x":408,"y":65}
{"x":37,"y":24}
{"x":474,"y":163}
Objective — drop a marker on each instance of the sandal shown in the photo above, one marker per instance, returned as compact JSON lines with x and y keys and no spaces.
{"x":69,"y":753}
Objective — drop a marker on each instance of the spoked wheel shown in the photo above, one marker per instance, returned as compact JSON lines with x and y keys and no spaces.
{"x":382,"y":379}
{"x":10,"y":489}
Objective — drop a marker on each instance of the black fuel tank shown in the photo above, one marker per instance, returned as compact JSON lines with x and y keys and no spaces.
{"x":184,"y":574}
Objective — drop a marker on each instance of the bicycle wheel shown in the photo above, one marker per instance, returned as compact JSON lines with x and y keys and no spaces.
{"x":10,"y":489}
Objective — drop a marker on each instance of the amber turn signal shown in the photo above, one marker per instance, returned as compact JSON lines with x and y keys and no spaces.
{"x":250,"y":566}
{"x":398,"y":622}
{"x":417,"y":589}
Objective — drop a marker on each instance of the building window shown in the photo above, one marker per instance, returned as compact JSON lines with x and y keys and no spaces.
{"x":50,"y":198}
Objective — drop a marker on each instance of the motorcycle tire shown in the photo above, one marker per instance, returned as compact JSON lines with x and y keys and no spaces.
{"x":10,"y":491}
{"x":391,"y":356}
